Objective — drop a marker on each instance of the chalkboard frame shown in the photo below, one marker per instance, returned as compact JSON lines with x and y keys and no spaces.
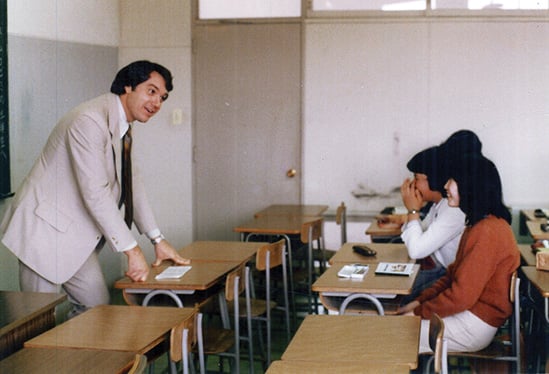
{"x":5,"y":175}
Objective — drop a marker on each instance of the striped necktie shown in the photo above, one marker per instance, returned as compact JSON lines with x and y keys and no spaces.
{"x":127,"y":194}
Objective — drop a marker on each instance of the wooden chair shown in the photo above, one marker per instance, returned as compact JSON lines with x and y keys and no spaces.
{"x":139,"y":364}
{"x":268,"y":257}
{"x":341,"y":221}
{"x":183,"y":340}
{"x":438,"y":344}
{"x":503,"y":347}
{"x":225,"y":342}
{"x":311,"y":232}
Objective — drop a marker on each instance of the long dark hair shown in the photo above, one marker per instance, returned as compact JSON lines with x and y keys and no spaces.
{"x":138,"y":72}
{"x":480,"y":189}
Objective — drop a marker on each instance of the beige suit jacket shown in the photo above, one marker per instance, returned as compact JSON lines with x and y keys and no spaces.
{"x":69,"y":200}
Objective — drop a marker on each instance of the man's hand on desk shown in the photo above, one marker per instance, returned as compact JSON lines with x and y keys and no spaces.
{"x":408,"y":309}
{"x":165,"y":251}
{"x":138,"y":269}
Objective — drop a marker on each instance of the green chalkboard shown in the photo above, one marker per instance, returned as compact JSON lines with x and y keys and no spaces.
{"x":5,"y":180}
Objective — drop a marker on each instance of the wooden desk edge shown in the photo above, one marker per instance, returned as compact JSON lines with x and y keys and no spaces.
{"x":45,"y":308}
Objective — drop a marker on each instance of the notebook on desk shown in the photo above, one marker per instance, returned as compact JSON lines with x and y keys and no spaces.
{"x":395,"y":268}
{"x":173,"y":272}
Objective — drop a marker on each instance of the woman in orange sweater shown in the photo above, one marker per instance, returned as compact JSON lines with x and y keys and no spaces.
{"x":472,"y":298}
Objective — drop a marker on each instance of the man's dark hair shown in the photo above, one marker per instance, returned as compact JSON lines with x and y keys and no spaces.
{"x":138,"y":72}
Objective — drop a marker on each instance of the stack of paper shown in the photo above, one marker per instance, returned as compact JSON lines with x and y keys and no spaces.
{"x":173,"y":272}
{"x":354,"y":271}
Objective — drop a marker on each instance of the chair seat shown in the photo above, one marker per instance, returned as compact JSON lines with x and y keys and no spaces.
{"x":258,"y":307}
{"x":496,"y":350}
{"x":218,"y":340}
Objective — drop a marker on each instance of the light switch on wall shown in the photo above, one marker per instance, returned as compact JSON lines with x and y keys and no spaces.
{"x":177,"y":116}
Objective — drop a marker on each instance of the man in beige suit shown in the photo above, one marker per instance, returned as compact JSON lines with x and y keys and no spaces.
{"x":68,"y":205}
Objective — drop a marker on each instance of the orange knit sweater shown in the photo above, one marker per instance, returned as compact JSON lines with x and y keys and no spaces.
{"x":480,"y":276}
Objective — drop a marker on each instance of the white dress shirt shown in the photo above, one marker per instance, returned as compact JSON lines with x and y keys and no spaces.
{"x":437,"y":235}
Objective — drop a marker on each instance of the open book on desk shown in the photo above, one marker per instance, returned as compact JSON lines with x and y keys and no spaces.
{"x":394,"y":268}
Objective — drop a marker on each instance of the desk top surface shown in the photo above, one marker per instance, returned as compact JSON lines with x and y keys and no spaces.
{"x":17,"y":308}
{"x":275,"y":224}
{"x":292,"y":209}
{"x":114,"y":327}
{"x":66,"y":361}
{"x":221,"y":251}
{"x":201,"y":276}
{"x":294,"y":366}
{"x":372,"y":283}
{"x":534,"y":228}
{"x":530,"y":215}
{"x":376,"y":339}
{"x":375,"y":230}
{"x":386,"y":252}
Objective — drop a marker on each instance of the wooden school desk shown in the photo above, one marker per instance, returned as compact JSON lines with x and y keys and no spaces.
{"x":23,"y":315}
{"x":291,"y":367}
{"x":292,"y":210}
{"x":124,"y":328}
{"x":382,"y":234}
{"x":202,"y":276}
{"x":540,"y":280}
{"x":210,"y":262}
{"x":67,"y":361}
{"x":333,"y":290}
{"x":534,"y":228}
{"x":285,"y":226}
{"x":529,"y":215}
{"x":386,"y":252}
{"x":364,"y":339}
{"x":536,"y":343}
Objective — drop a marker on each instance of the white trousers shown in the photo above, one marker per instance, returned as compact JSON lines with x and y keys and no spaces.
{"x":86,"y":289}
{"x":465,"y":332}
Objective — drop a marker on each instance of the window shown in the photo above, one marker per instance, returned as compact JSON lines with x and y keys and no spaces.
{"x":231,"y":9}
{"x":265,"y":9}
{"x":358,"y":5}
{"x":490,"y":4}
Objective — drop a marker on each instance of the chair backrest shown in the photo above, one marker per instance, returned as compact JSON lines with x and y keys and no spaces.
{"x":139,"y":364}
{"x":274,"y":252}
{"x":183,"y":338}
{"x":341,"y":220}
{"x":438,"y":343}
{"x":514,"y":296}
{"x":235,"y":283}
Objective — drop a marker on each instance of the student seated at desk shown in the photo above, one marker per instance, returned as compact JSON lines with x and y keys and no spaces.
{"x":433,"y":240}
{"x":472,"y":297}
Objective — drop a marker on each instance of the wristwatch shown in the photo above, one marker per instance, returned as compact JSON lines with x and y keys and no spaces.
{"x":157,"y":239}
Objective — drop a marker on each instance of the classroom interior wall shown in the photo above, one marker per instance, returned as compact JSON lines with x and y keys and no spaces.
{"x":378,"y":91}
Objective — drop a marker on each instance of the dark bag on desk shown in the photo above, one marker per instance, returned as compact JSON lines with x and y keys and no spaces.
{"x":542,"y":260}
